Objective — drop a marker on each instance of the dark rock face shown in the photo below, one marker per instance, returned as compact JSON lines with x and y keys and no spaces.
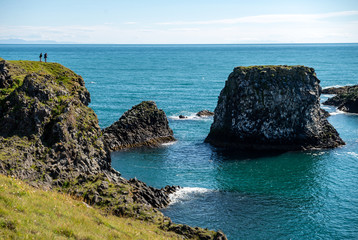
{"x":5,"y":78}
{"x":272,"y":108}
{"x":346,"y":98}
{"x":148,"y":195}
{"x":204,"y":113}
{"x":143,"y":125}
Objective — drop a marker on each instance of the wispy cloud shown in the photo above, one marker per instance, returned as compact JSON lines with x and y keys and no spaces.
{"x":270,"y":18}
{"x":130,"y":23}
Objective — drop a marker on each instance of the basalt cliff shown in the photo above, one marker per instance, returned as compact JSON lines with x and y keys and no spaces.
{"x":51,"y":139}
{"x":272,"y":108}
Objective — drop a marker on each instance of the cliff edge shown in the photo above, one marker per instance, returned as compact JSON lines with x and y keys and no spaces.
{"x":51,"y":139}
{"x":272,"y":108}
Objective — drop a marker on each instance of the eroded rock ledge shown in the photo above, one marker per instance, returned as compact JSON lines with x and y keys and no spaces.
{"x":50,"y":138}
{"x":272,"y":108}
{"x":346,"y":98}
{"x":143,"y":125}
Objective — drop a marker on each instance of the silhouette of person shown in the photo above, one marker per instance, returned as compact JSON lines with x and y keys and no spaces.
{"x":40,"y":57}
{"x":45,"y":56}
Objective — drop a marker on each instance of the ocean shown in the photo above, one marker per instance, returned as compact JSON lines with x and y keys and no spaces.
{"x":295,"y":195}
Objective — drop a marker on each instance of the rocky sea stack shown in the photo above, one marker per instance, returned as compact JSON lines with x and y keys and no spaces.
{"x":272,"y":108}
{"x":143,"y":125}
{"x":51,"y":139}
{"x":346,"y":99}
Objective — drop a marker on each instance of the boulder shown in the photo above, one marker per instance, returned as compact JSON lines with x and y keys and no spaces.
{"x":346,"y":99}
{"x":143,"y":125}
{"x":182,"y":117}
{"x":272,"y":108}
{"x":204,"y":113}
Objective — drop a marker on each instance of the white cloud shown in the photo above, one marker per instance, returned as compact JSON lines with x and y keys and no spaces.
{"x":270,"y":18}
{"x":283,"y":28}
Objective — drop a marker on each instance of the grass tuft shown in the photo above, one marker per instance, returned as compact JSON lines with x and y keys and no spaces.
{"x":29,"y":213}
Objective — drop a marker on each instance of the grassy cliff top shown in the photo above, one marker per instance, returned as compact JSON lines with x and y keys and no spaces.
{"x":272,"y":67}
{"x":29,"y":213}
{"x":19,"y":69}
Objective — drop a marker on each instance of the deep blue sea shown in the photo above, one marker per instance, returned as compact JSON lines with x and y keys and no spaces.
{"x":296,"y":195}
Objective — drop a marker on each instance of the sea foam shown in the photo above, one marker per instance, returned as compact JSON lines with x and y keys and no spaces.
{"x":187,"y":193}
{"x":191,"y":116}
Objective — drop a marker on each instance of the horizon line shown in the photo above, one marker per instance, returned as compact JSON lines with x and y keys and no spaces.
{"x":266,"y":43}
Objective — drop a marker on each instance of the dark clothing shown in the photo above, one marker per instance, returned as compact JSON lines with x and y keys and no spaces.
{"x":45,"y":56}
{"x":41,"y":56}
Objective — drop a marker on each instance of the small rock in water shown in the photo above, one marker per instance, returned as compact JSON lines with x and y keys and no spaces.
{"x":204,"y":113}
{"x":182,"y":116}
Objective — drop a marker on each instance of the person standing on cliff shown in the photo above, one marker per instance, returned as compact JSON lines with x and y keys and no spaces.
{"x":45,"y":56}
{"x":40,"y":57}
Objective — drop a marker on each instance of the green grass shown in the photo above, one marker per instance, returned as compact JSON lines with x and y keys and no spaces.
{"x":20,"y":68}
{"x":29,"y":213}
{"x":54,"y":69}
{"x":262,"y":67}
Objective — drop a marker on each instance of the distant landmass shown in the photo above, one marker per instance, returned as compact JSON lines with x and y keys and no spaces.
{"x":22,"y":41}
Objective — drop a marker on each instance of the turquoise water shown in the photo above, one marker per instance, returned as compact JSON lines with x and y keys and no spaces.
{"x":296,"y":195}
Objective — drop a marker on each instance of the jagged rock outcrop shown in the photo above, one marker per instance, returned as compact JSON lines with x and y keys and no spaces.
{"x":50,"y":138}
{"x":338,"y":90}
{"x":346,"y":99}
{"x":204,"y":113}
{"x":272,"y":108}
{"x":143,"y":125}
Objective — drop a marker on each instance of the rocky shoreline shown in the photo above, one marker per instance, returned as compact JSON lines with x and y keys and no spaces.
{"x":51,"y":139}
{"x":346,"y":98}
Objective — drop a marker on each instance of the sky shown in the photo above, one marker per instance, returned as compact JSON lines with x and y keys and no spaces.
{"x":180,"y":22}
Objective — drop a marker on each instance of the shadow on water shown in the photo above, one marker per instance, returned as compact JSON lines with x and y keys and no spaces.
{"x":222,"y":154}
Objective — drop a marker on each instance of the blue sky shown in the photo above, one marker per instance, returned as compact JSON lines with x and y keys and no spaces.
{"x":195,"y":21}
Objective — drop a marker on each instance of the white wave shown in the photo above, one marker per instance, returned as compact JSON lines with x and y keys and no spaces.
{"x":327,"y":95}
{"x":334,"y":86}
{"x":326,"y":107}
{"x":169,"y":143}
{"x":190,"y":116}
{"x":187,"y":193}
{"x":353,"y":154}
{"x":92,"y":82}
{"x":342,"y":112}
{"x":337,"y":112}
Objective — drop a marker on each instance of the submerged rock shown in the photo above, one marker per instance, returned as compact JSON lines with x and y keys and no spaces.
{"x":204,"y":113}
{"x":272,"y":108}
{"x":143,"y":125}
{"x":182,"y":117}
{"x":346,"y":99}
